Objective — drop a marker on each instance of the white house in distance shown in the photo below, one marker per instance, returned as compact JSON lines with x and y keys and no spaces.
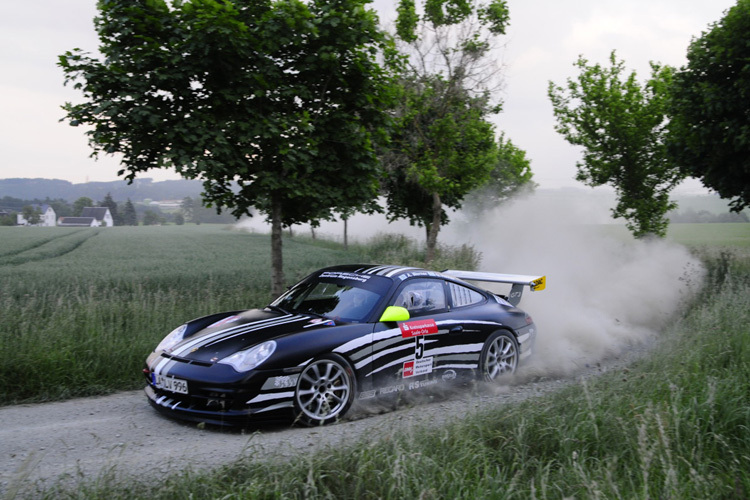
{"x":90,"y":217}
{"x":48,"y":218}
{"x":101,"y":214}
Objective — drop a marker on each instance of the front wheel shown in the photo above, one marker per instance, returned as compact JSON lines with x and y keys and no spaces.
{"x":499,"y":356}
{"x":325,"y":390}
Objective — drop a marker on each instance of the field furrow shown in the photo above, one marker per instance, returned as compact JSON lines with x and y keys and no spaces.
{"x":36,"y":245}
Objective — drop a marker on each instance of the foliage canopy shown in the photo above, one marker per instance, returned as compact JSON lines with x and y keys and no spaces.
{"x":265,"y":101}
{"x":443,"y":146}
{"x":621,"y":125}
{"x":710,"y":111}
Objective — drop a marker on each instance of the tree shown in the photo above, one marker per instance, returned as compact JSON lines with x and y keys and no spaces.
{"x":151,"y":218}
{"x":129,"y":216}
{"x":443,"y":146}
{"x":710,"y":111}
{"x":112,"y":205}
{"x":188,"y":209}
{"x":511,"y":175}
{"x":436,"y":158}
{"x":32,"y":215}
{"x":80,"y":204}
{"x":264,"y":101}
{"x":8,"y":219}
{"x":621,"y":127}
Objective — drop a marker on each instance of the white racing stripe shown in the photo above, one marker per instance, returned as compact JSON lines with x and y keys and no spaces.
{"x":165,"y":363}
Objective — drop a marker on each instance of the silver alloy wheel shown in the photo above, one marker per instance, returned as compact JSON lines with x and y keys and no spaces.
{"x":324,"y":391}
{"x":499,"y":356}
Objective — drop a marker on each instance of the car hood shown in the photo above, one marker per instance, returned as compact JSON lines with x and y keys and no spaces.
{"x":237,"y":331}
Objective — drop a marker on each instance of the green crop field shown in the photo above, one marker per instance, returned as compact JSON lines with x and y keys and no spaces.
{"x":717,"y":234}
{"x":81,"y":308}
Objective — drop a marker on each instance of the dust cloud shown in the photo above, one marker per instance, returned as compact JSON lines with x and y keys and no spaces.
{"x":606,"y":292}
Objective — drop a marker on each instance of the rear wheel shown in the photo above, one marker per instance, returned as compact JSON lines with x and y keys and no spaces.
{"x":325,"y":390}
{"x":499,"y":356}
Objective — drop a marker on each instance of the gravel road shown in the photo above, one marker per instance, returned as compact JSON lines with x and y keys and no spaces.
{"x":82,"y":439}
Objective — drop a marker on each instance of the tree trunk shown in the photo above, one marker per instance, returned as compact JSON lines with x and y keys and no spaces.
{"x":277,"y":261}
{"x":433,"y":228}
{"x":346,"y":238}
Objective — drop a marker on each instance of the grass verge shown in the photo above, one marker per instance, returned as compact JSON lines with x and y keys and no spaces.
{"x":673,"y":425}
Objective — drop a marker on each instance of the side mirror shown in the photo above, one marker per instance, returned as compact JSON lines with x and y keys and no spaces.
{"x":393,"y":314}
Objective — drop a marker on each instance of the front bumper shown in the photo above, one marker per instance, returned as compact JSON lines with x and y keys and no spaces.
{"x":219,"y":395}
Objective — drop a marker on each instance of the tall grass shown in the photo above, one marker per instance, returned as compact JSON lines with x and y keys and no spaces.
{"x":672,"y":425}
{"x":81,"y":309}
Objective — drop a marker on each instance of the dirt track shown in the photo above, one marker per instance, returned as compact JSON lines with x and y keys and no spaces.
{"x":83,"y":439}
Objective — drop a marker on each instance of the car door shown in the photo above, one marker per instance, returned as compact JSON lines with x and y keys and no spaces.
{"x":406,"y":355}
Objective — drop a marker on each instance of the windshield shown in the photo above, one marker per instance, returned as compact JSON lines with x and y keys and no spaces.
{"x":339,"y":297}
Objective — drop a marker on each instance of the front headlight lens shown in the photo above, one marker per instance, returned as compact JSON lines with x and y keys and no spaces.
{"x":248,"y":359}
{"x":171,"y":340}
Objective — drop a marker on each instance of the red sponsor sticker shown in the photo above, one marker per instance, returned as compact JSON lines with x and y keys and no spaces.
{"x":417,"y":367}
{"x":418,"y":327}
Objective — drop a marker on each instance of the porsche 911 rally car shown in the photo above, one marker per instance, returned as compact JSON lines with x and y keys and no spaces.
{"x":342,"y":334}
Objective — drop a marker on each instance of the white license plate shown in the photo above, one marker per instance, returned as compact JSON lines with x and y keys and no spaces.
{"x":171,"y":384}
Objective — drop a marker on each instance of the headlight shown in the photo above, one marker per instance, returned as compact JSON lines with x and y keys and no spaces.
{"x":250,"y":358}
{"x":171,"y":340}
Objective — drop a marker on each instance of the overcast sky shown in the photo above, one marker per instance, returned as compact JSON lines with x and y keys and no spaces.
{"x":544,"y":40}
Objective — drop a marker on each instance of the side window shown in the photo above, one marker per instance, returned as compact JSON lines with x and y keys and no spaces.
{"x":422,"y":297}
{"x":463,"y":296}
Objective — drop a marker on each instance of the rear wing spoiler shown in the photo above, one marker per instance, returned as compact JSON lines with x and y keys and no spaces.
{"x":518,"y":281}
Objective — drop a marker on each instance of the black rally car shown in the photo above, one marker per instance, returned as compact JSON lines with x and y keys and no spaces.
{"x":342,"y":334}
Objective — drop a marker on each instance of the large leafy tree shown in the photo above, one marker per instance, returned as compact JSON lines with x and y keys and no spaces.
{"x":273,"y":104}
{"x":444,"y":145}
{"x":710,"y":110}
{"x":443,"y":149}
{"x":621,"y":126}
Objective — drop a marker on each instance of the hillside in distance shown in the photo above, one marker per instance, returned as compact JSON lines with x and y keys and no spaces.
{"x":139,"y":190}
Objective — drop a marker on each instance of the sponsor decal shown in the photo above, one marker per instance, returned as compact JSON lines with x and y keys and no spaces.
{"x":346,"y":276}
{"x":367,"y":394}
{"x":417,"y":367}
{"x":391,"y":389}
{"x":280,"y":382}
{"x":449,"y":374}
{"x":225,"y":321}
{"x":411,"y":274}
{"x":285,"y":381}
{"x":418,"y":327}
{"x":418,"y":384}
{"x":320,"y":322}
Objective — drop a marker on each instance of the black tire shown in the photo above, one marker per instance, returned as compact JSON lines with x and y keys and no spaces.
{"x":325,"y":390}
{"x":499,"y":356}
